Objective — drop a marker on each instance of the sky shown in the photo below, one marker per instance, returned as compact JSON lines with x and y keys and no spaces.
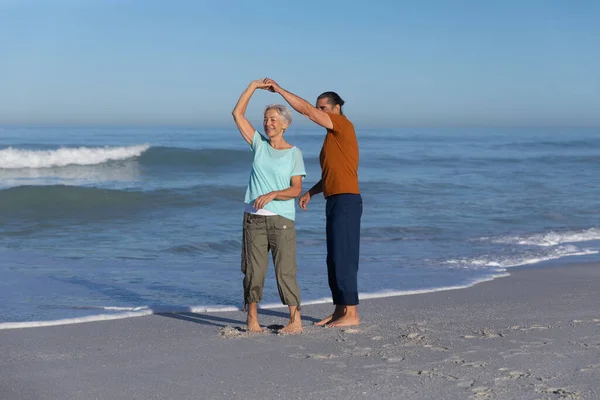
{"x":395,"y":63}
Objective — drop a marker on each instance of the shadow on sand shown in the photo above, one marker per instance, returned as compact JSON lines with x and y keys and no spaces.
{"x":207,"y":319}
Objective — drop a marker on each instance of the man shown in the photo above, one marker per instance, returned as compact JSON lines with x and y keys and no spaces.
{"x":339,"y":184}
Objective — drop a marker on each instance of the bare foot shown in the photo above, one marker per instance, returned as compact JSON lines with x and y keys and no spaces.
{"x":292,"y":327}
{"x":254,"y":328}
{"x":325,"y":321}
{"x":295,"y":325}
{"x":252,"y":320}
{"x":346,"y":320}
{"x":338,"y":313}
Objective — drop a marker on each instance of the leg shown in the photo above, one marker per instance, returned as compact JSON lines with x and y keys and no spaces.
{"x":282,"y":241}
{"x":295,"y":324}
{"x":255,"y":261}
{"x":330,"y":229}
{"x":345,"y":238}
{"x":252,"y":318}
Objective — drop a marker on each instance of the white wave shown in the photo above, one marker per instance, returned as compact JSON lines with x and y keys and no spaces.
{"x":551,"y":238}
{"x":125,"y":312}
{"x":17,"y":158}
{"x":69,"y":321}
{"x":132,"y":312}
{"x":515,"y":261}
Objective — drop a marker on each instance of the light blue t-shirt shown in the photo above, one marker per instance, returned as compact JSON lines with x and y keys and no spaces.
{"x":273,"y":169}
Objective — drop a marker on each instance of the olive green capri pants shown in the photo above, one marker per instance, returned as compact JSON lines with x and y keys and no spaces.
{"x":276,"y":234}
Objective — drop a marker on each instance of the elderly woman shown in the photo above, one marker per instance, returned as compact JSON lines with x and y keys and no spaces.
{"x":275,"y":181}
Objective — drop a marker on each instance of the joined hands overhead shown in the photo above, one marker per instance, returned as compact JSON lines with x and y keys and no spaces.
{"x":265,"y":84}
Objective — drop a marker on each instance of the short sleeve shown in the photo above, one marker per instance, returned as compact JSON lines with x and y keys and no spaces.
{"x":337,"y":121}
{"x":257,"y":141}
{"x":298,"y":168}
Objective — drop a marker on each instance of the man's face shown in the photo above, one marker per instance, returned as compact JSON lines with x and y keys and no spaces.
{"x":323,"y":105}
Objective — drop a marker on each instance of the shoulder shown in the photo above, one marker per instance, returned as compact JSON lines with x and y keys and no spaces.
{"x":297,"y":151}
{"x":258,"y":140}
{"x":340,"y":123}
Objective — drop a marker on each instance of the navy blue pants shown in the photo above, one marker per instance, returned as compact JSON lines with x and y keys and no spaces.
{"x":343,"y":213}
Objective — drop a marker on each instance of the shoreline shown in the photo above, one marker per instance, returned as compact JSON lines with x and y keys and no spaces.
{"x":532,"y":335}
{"x":142,"y":311}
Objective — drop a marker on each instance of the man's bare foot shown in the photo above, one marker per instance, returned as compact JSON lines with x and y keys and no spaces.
{"x":295,"y":325}
{"x":349,"y":317}
{"x":325,"y":321}
{"x":346,"y":320}
{"x":338,"y":313}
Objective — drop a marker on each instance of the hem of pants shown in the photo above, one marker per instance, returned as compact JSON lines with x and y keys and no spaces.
{"x":346,"y":300}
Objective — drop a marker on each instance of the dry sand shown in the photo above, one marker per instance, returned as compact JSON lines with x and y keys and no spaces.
{"x":533,"y":335}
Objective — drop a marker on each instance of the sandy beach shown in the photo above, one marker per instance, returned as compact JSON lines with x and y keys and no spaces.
{"x":533,"y":335}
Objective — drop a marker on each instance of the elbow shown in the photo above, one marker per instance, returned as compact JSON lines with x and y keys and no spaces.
{"x":236,"y":113}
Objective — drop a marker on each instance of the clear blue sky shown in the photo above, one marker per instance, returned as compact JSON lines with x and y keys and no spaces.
{"x":396,"y":63}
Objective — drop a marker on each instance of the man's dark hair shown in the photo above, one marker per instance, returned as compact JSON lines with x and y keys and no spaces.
{"x":332,"y":98}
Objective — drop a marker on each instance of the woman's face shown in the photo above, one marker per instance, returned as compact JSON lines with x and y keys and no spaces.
{"x":273,"y":124}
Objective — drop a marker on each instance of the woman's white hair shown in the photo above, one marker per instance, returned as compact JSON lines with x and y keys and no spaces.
{"x":283,"y":111}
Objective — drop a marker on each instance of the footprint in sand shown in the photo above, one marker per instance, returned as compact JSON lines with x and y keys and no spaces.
{"x":562,"y":392}
{"x":435,"y":348}
{"x":394,"y":359}
{"x":231,"y":332}
{"x":314,"y":356}
{"x":512,"y":376}
{"x":465,"y":363}
{"x":345,"y":341}
{"x":591,"y":368}
{"x":482,"y":392}
{"x":414,"y":339}
{"x":465,"y":383}
{"x":484,"y":334}
{"x":529,"y":328}
{"x":321,"y":356}
{"x":583,"y":321}
{"x":359,"y":351}
{"x":420,"y":372}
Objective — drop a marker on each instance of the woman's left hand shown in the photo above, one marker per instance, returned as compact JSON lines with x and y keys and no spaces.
{"x":262,"y":201}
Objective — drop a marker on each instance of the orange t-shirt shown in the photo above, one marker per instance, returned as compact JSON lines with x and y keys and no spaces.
{"x":339,"y":158}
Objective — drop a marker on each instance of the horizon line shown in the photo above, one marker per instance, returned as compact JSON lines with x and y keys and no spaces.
{"x":305,"y":124}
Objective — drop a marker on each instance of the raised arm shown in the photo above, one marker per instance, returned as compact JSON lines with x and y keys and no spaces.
{"x":245,"y":127}
{"x":300,"y":105}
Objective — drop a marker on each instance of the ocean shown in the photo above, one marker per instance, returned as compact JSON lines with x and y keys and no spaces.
{"x":112,"y":222}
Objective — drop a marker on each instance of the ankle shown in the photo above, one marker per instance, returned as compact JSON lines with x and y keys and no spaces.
{"x":351,"y":311}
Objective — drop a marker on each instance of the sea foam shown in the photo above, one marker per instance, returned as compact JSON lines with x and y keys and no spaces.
{"x":11,"y":158}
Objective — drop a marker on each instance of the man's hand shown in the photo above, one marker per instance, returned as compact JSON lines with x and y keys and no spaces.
{"x":272,"y":85}
{"x":262,"y":201}
{"x":303,"y":201}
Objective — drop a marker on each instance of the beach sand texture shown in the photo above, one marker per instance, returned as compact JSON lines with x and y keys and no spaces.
{"x":533,"y":335}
